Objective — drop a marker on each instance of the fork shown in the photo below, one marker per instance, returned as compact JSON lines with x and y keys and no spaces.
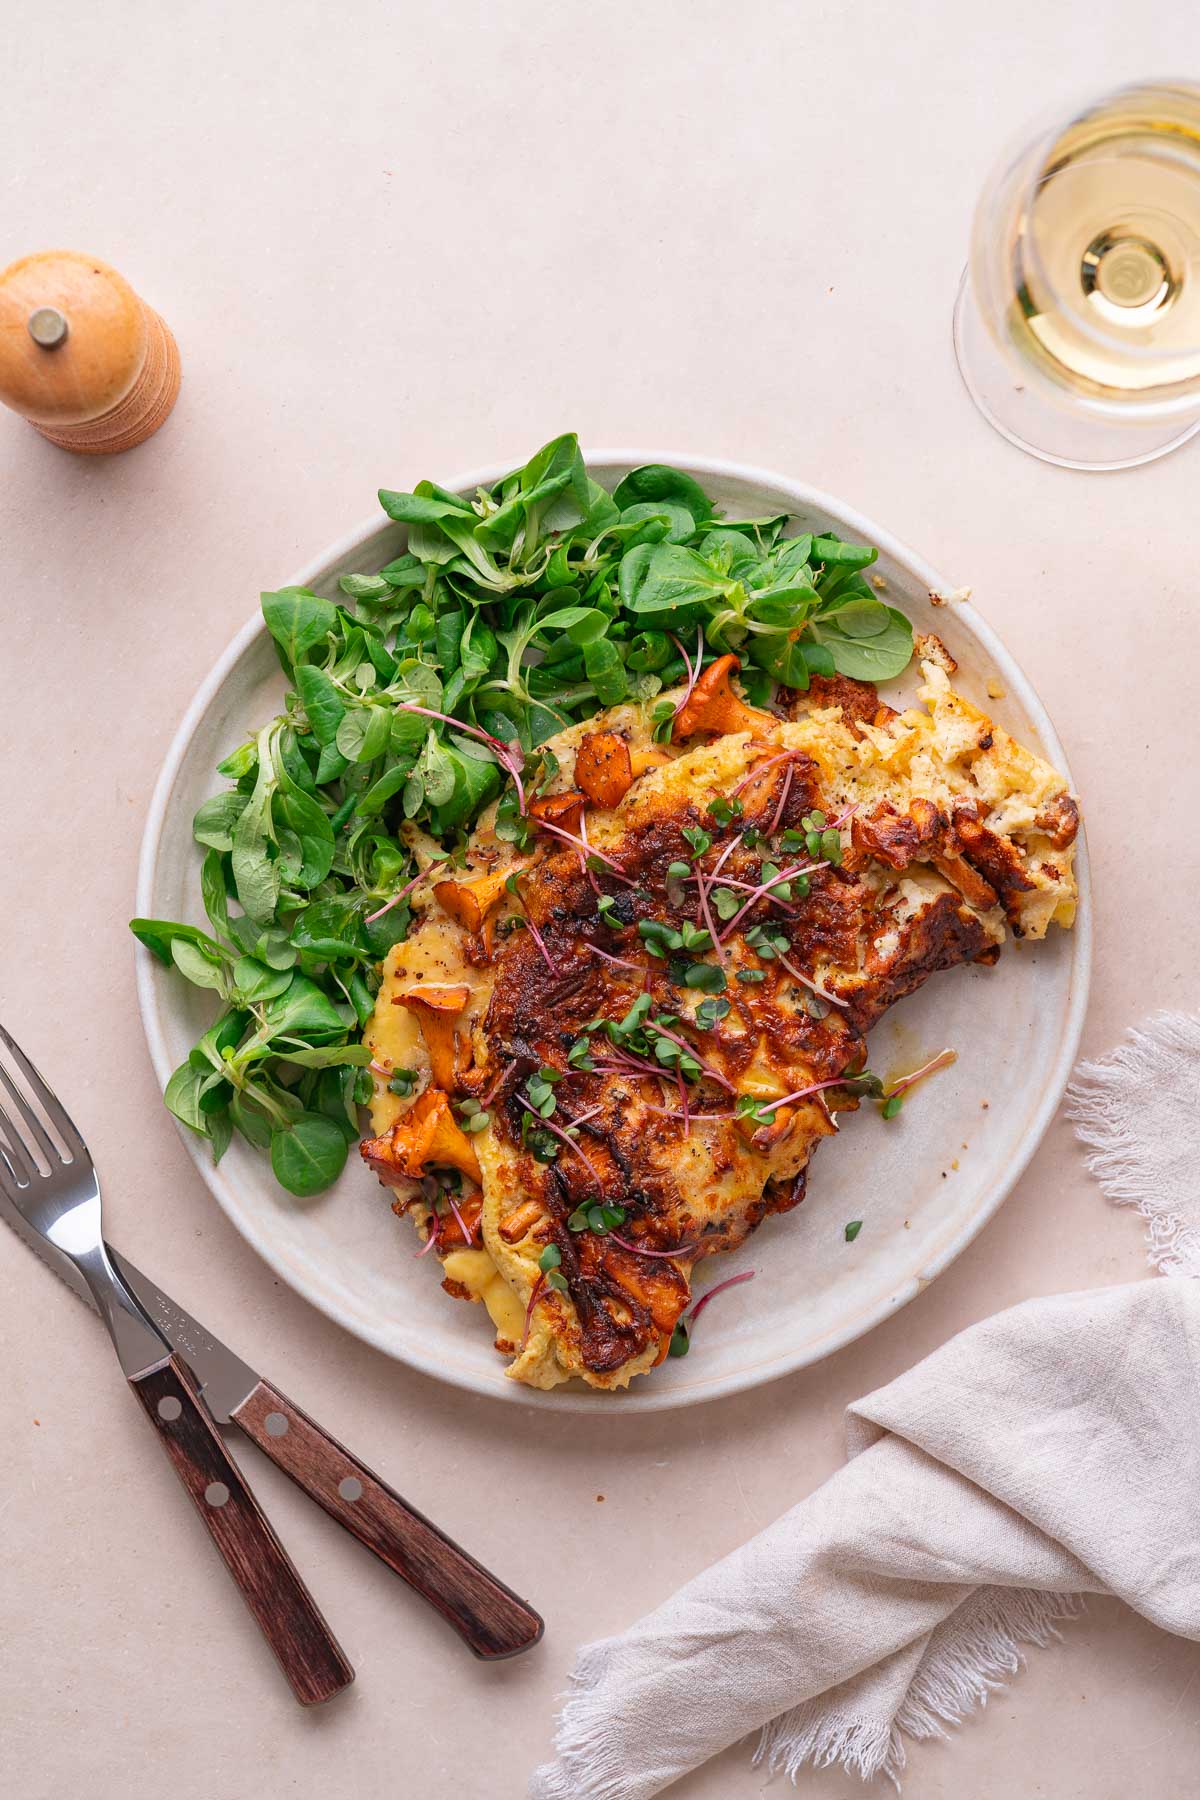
{"x":50,"y":1194}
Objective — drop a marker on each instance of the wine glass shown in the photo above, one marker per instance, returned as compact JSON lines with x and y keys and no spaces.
{"x":1077,"y":324}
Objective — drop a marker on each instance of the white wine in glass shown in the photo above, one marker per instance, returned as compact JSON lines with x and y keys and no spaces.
{"x":1077,"y":327}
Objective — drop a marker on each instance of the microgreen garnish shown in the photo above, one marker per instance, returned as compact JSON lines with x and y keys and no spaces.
{"x":681,"y":1336}
{"x":598,"y":1216}
{"x":660,"y":938}
{"x":678,"y":871}
{"x":541,"y":1144}
{"x":766,"y":943}
{"x":550,"y":1258}
{"x":726,"y":902}
{"x":894,"y":1098}
{"x":820,"y":838}
{"x":403,"y":1082}
{"x":539,"y":1091}
{"x":468,"y":1234}
{"x":853,"y":1229}
{"x":762,"y":1112}
{"x":751,"y":977}
{"x":662,"y":719}
{"x":700,"y":841}
{"x":605,"y":907}
{"x":420,"y":698}
{"x":657,"y":937}
{"x":813,"y":986}
{"x":709,"y":1011}
{"x":472,"y":1116}
{"x":579,"y":1056}
{"x":709,"y":978}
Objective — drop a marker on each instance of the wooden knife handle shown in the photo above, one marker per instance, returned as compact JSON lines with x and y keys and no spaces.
{"x":288,"y":1616}
{"x":489,"y":1617}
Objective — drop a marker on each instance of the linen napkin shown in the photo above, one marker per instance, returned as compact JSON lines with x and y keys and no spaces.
{"x":1047,"y":1453}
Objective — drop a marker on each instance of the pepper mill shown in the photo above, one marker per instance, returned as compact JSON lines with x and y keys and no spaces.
{"x":88,"y":363}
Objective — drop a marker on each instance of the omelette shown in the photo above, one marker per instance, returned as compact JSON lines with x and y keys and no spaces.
{"x":609,"y":1045}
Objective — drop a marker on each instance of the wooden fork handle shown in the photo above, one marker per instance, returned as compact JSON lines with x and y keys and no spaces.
{"x":288,"y":1616}
{"x":489,"y":1617}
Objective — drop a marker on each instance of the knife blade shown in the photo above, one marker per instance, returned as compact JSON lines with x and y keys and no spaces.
{"x":225,"y":1380}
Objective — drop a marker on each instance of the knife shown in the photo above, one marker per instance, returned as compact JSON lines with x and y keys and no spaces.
{"x":492,"y":1620}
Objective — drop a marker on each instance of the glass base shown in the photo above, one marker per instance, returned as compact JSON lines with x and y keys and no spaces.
{"x":1023,"y":409}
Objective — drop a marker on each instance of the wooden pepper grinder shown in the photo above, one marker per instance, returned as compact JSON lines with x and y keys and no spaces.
{"x":87,"y":362}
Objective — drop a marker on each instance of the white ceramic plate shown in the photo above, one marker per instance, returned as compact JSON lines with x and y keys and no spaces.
{"x":923,"y":1184}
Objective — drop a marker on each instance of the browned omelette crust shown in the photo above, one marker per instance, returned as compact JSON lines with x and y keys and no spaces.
{"x":918,"y":890}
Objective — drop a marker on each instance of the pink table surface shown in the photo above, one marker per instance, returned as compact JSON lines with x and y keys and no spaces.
{"x":395,"y":244}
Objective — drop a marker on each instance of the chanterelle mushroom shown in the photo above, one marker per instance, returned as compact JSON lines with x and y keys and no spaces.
{"x":426,"y":1136}
{"x":603,"y":767}
{"x":470,"y":902}
{"x":713,"y":706}
{"x":564,"y":810}
{"x":436,"y":1010}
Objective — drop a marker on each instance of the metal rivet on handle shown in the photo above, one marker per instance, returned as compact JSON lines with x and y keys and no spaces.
{"x":169,"y":1408}
{"x":216,"y":1493}
{"x":350,"y":1488}
{"x":276,"y":1424}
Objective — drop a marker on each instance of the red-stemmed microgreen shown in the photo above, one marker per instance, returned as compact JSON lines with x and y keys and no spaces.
{"x":433,"y":1231}
{"x":468,"y":1235}
{"x":814,"y":987}
{"x":585,"y":850}
{"x":512,"y":887}
{"x":894,"y":1098}
{"x":548,"y":1263}
{"x":510,"y":756}
{"x":618,"y":962}
{"x":765,"y":888}
{"x":534,"y":1296}
{"x":588,"y":866}
{"x":556,"y":1131}
{"x":761,"y":1112}
{"x":693,"y":671}
{"x":395,"y":900}
{"x":644,"y":1250}
{"x":777,"y":817}
{"x":762,"y":767}
{"x":681,"y":1336}
{"x":689,"y":1053}
{"x":599,"y":1216}
{"x":693,"y":1118}
{"x":704,"y":883}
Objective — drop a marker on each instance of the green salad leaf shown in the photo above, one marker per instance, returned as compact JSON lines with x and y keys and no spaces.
{"x":413,"y":697}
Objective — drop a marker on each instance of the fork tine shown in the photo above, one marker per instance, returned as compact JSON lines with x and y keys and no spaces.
{"x":16,"y":1152}
{"x":45,"y":1142}
{"x":57,"y":1113}
{"x":9,"y":1182}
